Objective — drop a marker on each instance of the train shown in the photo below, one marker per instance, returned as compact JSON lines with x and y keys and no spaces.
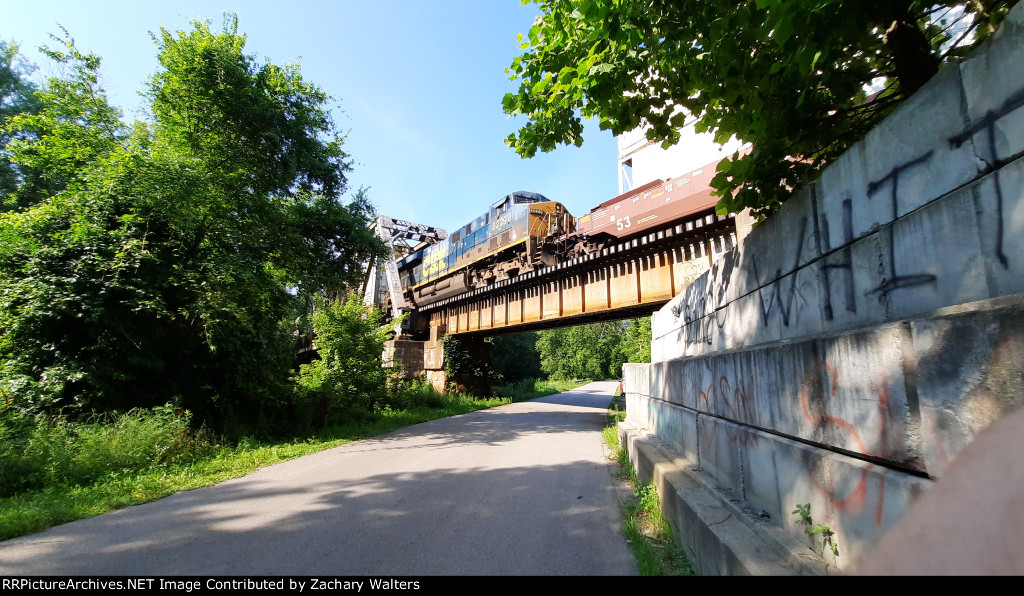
{"x":519,"y":233}
{"x":525,"y":231}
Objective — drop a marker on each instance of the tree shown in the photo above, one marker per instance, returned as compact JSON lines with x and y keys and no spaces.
{"x":579,"y":352}
{"x":514,"y":357}
{"x":347,"y":378}
{"x":16,"y":97}
{"x":789,"y":77}
{"x":634,"y":345}
{"x":594,"y":350}
{"x":162,"y":261}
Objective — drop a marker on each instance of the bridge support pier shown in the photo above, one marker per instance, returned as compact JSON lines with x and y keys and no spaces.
{"x":425,"y":359}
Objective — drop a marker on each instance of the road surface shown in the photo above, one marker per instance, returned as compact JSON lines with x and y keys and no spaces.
{"x":522,"y":489}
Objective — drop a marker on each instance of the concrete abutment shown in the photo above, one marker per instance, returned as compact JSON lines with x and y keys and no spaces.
{"x":851,"y":346}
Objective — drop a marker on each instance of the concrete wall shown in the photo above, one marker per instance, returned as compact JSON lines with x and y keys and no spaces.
{"x":850,"y":346}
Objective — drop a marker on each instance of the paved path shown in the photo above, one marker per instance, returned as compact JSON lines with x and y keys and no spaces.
{"x":523,"y":489}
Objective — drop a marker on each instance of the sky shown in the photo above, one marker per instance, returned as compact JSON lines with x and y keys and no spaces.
{"x":419,"y":88}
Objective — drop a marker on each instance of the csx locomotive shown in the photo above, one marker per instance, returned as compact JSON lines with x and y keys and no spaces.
{"x":519,"y":233}
{"x":525,"y":231}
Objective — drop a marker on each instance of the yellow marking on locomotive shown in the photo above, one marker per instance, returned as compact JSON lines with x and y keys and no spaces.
{"x":536,"y":226}
{"x":434,"y":263}
{"x":457,"y":269}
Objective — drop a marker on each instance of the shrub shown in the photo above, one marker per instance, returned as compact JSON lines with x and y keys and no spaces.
{"x":348,"y":379}
{"x":50,"y":450}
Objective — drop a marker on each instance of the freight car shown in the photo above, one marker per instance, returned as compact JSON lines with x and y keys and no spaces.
{"x":521,"y":232}
{"x":650,"y":205}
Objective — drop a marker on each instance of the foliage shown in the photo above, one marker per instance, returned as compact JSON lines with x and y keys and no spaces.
{"x":163,"y":261}
{"x":406,"y":394}
{"x":514,"y":357}
{"x":17,"y":96}
{"x":788,"y":77}
{"x":467,"y":366}
{"x":814,"y":530}
{"x":594,"y":350}
{"x":634,"y":345}
{"x":42,"y":451}
{"x":349,"y":377}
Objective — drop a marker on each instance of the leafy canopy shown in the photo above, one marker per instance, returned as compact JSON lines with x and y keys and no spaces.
{"x":787,"y":76}
{"x":166,"y":260}
{"x":594,"y":350}
{"x":17,"y":96}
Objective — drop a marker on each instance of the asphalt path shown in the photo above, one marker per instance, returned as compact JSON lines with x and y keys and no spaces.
{"x":522,"y":489}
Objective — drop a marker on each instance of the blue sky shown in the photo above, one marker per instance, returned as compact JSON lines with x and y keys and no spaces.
{"x":419,"y":86}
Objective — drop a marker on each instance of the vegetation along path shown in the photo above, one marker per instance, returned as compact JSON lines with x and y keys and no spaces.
{"x":518,"y":489}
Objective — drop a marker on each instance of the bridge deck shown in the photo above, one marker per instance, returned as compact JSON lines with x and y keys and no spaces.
{"x":631,"y":278}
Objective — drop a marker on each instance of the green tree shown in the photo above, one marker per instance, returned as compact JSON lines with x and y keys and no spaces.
{"x":514,"y":357}
{"x":348,"y":377}
{"x":17,"y":96}
{"x":634,"y":345}
{"x":787,"y":76}
{"x":594,"y":350}
{"x":162,"y":261}
{"x":579,"y":352}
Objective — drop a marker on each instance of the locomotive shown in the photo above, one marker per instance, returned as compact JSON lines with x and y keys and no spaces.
{"x":521,"y":232}
{"x":525,"y":231}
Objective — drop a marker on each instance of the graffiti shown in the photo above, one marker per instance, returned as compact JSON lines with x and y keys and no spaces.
{"x":855,"y":499}
{"x":987,"y":123}
{"x":897,"y":281}
{"x":793,"y":297}
{"x":732,"y":404}
{"x":845,"y":265}
{"x":699,"y":315}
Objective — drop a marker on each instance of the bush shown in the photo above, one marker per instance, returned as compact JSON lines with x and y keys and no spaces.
{"x":524,"y":389}
{"x":415,"y":393}
{"x":348,"y":379}
{"x":51,"y":451}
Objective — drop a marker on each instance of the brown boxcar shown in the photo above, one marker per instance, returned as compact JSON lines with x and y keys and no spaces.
{"x":650,"y":205}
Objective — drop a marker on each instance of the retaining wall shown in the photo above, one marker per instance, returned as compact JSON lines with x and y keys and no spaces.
{"x":851,"y":345}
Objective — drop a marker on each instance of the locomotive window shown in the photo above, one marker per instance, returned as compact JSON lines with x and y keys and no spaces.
{"x":500,"y":206}
{"x":456,"y":236}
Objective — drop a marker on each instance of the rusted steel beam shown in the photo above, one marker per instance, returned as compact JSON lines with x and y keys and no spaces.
{"x":631,"y":277}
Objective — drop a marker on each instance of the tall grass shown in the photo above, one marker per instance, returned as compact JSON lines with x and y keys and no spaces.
{"x":648,"y":532}
{"x":45,"y":451}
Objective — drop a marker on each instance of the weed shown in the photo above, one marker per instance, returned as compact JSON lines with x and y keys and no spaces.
{"x":813,"y":530}
{"x":647,"y":531}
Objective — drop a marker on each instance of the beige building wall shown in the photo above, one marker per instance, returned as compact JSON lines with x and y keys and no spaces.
{"x":642,"y":161}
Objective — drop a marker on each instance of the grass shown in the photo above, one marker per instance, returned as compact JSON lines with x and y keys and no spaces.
{"x":60,"y":493}
{"x":647,"y":531}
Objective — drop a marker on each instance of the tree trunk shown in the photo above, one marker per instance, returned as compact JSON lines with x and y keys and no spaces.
{"x":913,"y":60}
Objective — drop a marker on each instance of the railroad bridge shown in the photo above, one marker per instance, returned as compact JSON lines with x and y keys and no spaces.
{"x":632,"y":277}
